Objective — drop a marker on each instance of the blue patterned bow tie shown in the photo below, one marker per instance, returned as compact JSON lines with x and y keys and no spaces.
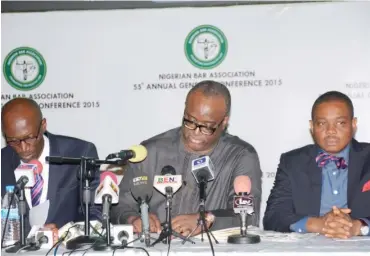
{"x":323,"y":159}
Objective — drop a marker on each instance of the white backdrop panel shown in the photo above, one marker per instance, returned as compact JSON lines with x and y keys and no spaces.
{"x":102,"y":56}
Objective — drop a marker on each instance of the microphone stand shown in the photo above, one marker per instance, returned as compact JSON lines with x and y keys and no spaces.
{"x":85,"y":175}
{"x":22,"y":212}
{"x":167,"y":231}
{"x":202,"y":213}
{"x":107,"y":244}
{"x":243,"y":237}
{"x":145,"y":234}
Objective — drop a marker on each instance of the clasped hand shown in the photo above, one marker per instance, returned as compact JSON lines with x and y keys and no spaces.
{"x":338,"y":224}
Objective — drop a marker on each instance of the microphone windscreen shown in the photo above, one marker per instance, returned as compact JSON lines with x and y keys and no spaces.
{"x":242,"y":184}
{"x":103,"y":175}
{"x":168,"y":170}
{"x":140,"y":153}
{"x":141,"y":188}
{"x":39,"y":165}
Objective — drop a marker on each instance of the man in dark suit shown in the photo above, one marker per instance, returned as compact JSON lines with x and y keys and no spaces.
{"x":324,"y":188}
{"x":24,"y":130}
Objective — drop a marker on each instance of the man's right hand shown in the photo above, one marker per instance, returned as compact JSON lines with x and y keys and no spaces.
{"x":321,"y":224}
{"x":154,"y":223}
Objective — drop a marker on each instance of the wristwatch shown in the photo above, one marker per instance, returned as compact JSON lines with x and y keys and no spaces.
{"x":364,"y":230}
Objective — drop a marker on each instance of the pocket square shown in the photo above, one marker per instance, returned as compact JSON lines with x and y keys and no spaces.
{"x":366,"y":187}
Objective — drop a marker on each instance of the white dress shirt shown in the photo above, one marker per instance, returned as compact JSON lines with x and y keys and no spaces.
{"x":44,"y":174}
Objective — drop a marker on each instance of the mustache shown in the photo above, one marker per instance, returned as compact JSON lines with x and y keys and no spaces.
{"x":331,"y":138}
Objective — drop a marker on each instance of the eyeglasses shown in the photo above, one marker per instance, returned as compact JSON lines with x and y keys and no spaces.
{"x":29,"y":140}
{"x":202,"y":128}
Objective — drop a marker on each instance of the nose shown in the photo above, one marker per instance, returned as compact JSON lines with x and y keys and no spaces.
{"x":197,"y":131}
{"x":24,"y":146}
{"x":331,"y":129}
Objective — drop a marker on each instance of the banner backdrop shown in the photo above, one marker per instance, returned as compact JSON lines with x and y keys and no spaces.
{"x":119,"y":77}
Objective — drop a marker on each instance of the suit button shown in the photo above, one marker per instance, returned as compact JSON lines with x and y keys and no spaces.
{"x":335,"y":192}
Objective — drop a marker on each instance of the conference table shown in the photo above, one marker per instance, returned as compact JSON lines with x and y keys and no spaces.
{"x":272,"y":244}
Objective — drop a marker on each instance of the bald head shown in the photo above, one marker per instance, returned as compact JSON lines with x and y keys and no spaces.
{"x":22,"y":125}
{"x":21,"y":106}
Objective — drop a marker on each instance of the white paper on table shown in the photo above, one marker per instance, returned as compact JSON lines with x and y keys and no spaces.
{"x":271,"y":236}
{"x":39,"y":214}
{"x":33,"y":231}
{"x":354,"y":238}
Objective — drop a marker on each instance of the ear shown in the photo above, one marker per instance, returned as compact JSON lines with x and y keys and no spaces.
{"x":43,"y":125}
{"x":225,"y":122}
{"x":311,"y":126}
{"x":354,"y":125}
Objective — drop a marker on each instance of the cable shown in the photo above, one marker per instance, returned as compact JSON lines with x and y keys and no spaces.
{"x":169,"y":246}
{"x":61,"y":239}
{"x":128,"y":243}
{"x":6,"y":220}
{"x":56,"y":249}
{"x":170,"y":238}
{"x":129,"y":247}
{"x":207,"y":232}
{"x":96,"y":231}
{"x":22,"y":248}
{"x":81,"y":250}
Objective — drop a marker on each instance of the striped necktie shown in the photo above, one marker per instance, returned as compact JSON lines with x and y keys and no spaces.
{"x":36,"y":191}
{"x":324,"y":158}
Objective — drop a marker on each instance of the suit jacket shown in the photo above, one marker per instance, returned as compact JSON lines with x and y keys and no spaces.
{"x":297,"y":189}
{"x":64,"y":187}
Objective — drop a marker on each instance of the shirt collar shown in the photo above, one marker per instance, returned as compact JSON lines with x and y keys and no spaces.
{"x":344,"y":153}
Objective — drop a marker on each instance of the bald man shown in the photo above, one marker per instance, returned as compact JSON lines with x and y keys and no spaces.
{"x":203,"y":132}
{"x":27,"y":138}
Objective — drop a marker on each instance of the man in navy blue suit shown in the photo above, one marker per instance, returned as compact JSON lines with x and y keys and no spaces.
{"x":24,"y":130}
{"x":324,"y":188}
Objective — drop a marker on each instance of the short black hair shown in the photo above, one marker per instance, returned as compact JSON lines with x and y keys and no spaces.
{"x":333,"y":96}
{"x":20,"y":100}
{"x":213,"y":88}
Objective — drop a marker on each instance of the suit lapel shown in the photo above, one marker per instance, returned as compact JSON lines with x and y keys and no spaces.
{"x":54,"y":175}
{"x":356,"y":163}
{"x":315,"y":177}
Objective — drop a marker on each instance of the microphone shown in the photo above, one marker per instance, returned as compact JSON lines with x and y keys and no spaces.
{"x":122,"y":237}
{"x":46,"y":238}
{"x":107,"y":193}
{"x":142,"y":192}
{"x":242,"y":184}
{"x":202,"y":170}
{"x":168,"y":183}
{"x":25,"y":174}
{"x":135,"y":154}
{"x":168,"y":170}
{"x":63,"y":160}
{"x":243,"y":205}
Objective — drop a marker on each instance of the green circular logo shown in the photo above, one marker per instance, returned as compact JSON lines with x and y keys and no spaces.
{"x":24,"y":68}
{"x":206,"y":47}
